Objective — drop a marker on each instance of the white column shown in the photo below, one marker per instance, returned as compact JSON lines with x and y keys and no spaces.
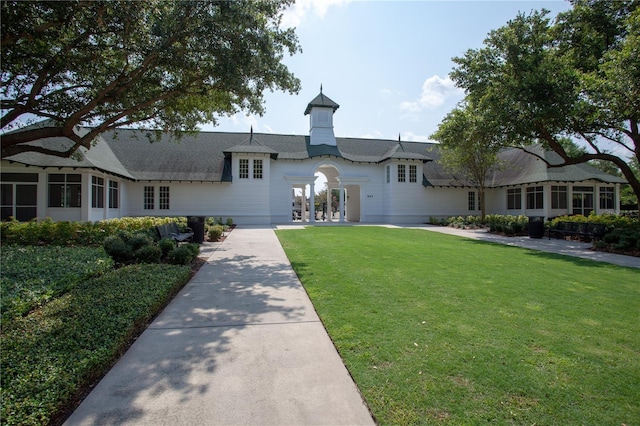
{"x":312,"y":203}
{"x":329,"y":199}
{"x":341,"y":202}
{"x":42,"y":194}
{"x":85,"y":197}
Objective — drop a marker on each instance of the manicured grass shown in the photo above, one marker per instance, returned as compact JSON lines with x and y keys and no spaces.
{"x":439,"y":329}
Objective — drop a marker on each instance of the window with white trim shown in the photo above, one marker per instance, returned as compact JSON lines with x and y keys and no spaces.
{"x":97,"y":192}
{"x":607,"y":198}
{"x":163,"y":198}
{"x":514,"y":198}
{"x":243,"y":169}
{"x":257,"y":169}
{"x":402,"y":173}
{"x":65,"y":190}
{"x":535,"y":197}
{"x":413,"y":173}
{"x":149,"y":198}
{"x":113,"y":194}
{"x":558,"y":197}
{"x":472,"y":200}
{"x":19,"y":196}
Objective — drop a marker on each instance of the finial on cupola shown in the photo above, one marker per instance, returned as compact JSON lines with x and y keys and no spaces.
{"x":399,"y":138}
{"x":251,"y":135}
{"x":321,"y":88}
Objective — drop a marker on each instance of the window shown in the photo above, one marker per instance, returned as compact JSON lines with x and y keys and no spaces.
{"x":582,"y":200}
{"x":402,"y":173}
{"x":164,"y":198}
{"x":149,"y":198}
{"x":257,"y":169}
{"x":244,"y":168}
{"x":472,"y":200}
{"x":97,"y":192}
{"x":19,"y":196}
{"x":413,"y":173}
{"x":113,"y":195}
{"x":535,"y":197}
{"x":558,"y":197}
{"x":388,"y":174}
{"x":607,"y":198}
{"x":514,"y":199}
{"x":65,"y":190}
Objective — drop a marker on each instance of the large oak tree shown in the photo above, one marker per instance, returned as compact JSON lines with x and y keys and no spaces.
{"x":577,"y":77}
{"x":162,"y":64}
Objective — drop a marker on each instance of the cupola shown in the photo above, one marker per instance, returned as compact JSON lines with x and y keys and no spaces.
{"x":321,"y":110}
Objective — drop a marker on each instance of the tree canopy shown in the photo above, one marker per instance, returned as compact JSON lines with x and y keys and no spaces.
{"x":577,"y":77}
{"x":469,"y":146}
{"x":168,"y":65}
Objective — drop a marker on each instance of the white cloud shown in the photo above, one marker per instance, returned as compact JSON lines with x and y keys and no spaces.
{"x":435,"y":92}
{"x":293,"y":16}
{"x":412,"y":137}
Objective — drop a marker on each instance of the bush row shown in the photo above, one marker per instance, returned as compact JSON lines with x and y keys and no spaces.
{"x":139,"y":247}
{"x":504,"y":224}
{"x":52,"y":354}
{"x":64,"y":233}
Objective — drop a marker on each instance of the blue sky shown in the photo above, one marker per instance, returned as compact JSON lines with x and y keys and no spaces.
{"x":386,"y":63}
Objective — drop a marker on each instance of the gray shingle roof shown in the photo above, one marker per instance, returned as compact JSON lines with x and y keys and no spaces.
{"x":99,"y":157}
{"x":519,"y":167}
{"x":204,"y":157}
{"x":321,"y":101}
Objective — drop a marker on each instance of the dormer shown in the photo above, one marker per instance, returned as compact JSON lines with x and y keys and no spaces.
{"x":321,"y":110}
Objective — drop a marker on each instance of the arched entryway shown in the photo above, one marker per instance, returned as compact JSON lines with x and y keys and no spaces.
{"x":338,"y":198}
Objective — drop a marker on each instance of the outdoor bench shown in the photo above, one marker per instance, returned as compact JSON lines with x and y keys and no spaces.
{"x":170,"y":230}
{"x":592,"y":231}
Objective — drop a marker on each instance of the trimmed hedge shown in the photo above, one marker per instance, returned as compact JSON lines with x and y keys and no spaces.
{"x":50,"y":355}
{"x":48,"y":232}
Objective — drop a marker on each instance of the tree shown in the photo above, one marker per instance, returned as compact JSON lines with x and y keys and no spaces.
{"x":469,"y":145}
{"x":576,"y":78}
{"x":161,"y":64}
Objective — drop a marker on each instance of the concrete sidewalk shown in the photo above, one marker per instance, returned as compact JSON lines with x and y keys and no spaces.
{"x":557,"y":246}
{"x":241,"y":344}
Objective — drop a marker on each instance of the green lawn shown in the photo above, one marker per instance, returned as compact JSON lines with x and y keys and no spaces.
{"x":440,"y":329}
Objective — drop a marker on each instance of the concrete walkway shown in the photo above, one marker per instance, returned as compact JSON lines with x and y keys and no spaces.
{"x":241,"y":344}
{"x":558,"y":246}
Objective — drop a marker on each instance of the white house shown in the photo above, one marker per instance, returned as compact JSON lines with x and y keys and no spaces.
{"x":252,"y":177}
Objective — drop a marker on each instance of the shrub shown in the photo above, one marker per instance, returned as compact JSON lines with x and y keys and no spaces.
{"x":166,"y":245}
{"x":139,"y":240}
{"x":229,"y":222}
{"x":118,"y":249}
{"x":194,"y":248}
{"x":148,"y":254}
{"x":182,"y":255}
{"x":215,"y":232}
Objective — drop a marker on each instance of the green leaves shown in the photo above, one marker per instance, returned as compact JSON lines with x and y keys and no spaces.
{"x":169,"y":65}
{"x":32,"y":276}
{"x":575,"y":77}
{"x":49,"y":355}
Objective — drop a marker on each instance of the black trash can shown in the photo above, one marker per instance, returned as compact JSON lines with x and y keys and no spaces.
{"x":536,"y":226}
{"x":196,"y":223}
